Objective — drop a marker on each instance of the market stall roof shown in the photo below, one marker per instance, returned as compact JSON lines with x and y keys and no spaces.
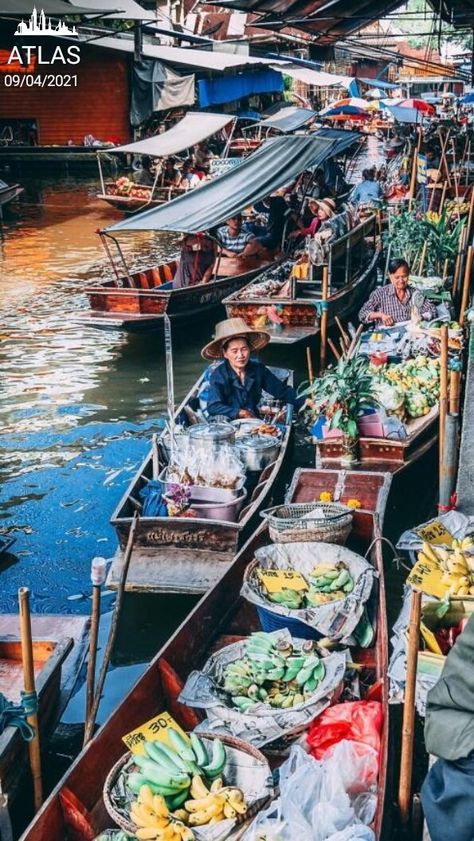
{"x":276,"y":163}
{"x":288,"y":119}
{"x":378,"y":83}
{"x":117,"y":9}
{"x":402,"y":114}
{"x":193,"y":128}
{"x":317,"y":78}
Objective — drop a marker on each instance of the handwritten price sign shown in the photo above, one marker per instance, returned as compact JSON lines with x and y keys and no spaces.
{"x":155,"y":730}
{"x":435,"y":533}
{"x":275,"y":580}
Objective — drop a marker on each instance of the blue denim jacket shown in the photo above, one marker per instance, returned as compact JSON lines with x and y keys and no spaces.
{"x":227,"y":395}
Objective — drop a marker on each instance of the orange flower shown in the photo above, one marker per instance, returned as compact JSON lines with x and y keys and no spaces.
{"x":354,"y":503}
{"x":325,"y":496}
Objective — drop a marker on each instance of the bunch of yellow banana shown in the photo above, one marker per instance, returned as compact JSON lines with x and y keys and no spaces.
{"x":154,"y":821}
{"x":457,"y":566}
{"x":210,"y":806}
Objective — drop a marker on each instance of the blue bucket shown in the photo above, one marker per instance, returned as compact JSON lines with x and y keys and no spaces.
{"x":274,"y":622}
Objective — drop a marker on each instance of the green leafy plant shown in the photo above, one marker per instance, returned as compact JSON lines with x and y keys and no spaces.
{"x":342,"y":394}
{"x":409,"y":232}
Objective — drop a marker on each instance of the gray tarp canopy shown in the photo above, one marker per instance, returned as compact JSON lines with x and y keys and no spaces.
{"x":192,"y":129}
{"x":276,"y":163}
{"x":405,"y":114}
{"x":288,"y":119}
{"x":15,"y":8}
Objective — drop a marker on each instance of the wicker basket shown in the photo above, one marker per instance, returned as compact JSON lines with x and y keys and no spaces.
{"x":331,"y":523}
{"x":122,"y":818}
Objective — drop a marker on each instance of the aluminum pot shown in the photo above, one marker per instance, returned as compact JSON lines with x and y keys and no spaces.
{"x":224,"y":511}
{"x":256,"y":451}
{"x":215,"y":432}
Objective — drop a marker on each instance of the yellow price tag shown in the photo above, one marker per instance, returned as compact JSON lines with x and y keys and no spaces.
{"x":426,"y":576}
{"x":430,"y":639}
{"x":154,"y":730}
{"x":435,"y":533}
{"x":274,"y":580}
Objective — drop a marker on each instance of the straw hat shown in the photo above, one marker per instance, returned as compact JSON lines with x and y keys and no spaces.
{"x":234,"y":328}
{"x":328,"y":205}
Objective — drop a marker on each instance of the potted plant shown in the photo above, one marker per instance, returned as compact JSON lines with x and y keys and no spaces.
{"x":342,"y":395}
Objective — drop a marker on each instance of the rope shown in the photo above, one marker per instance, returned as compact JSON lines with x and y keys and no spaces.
{"x":15,"y":715}
{"x":397,"y":559}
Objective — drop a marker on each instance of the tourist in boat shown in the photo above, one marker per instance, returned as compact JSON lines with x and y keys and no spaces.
{"x":393,"y":303}
{"x":369,"y":191}
{"x":198,"y":254}
{"x":188,"y":179}
{"x":320,"y":188}
{"x":170,"y":174}
{"x":236,"y":386}
{"x":235,"y":241}
{"x":145,"y":176}
{"x":321,"y":211}
{"x":274,"y":209}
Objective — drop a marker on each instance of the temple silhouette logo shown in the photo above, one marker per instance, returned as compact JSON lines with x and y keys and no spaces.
{"x":39,"y":24}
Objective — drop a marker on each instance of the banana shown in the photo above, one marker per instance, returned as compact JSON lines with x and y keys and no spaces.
{"x":143,"y":816}
{"x":160,"y":777}
{"x":181,"y":815}
{"x":136,"y":781}
{"x":467,"y":543}
{"x":186,"y":833}
{"x":229,"y":811}
{"x":215,"y":766}
{"x":428,"y":550}
{"x":177,"y":800}
{"x":165,"y":757}
{"x":159,"y":805}
{"x":198,"y":788}
{"x":181,"y":745}
{"x":147,"y":832}
{"x":146,"y":795}
{"x":217,"y":785}
{"x":204,"y":816}
{"x":199,"y":750}
{"x":202,"y":803}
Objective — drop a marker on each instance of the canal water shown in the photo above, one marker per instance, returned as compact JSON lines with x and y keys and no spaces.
{"x":78,"y":408}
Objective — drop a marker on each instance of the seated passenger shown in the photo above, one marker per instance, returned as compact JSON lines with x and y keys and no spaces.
{"x":198,"y":253}
{"x":235,"y":241}
{"x":188,"y":178}
{"x":321,"y":211}
{"x":170,"y":174}
{"x":368,"y":191}
{"x":235,"y":387}
{"x":393,"y":303}
{"x":275,"y":209}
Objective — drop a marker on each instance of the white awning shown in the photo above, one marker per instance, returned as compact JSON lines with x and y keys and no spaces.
{"x":193,"y":128}
{"x":119,"y":9}
{"x":314,"y":77}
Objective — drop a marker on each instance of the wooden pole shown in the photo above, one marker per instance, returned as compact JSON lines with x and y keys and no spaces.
{"x":457,"y":265}
{"x":334,"y":349}
{"x":423,"y":257}
{"x":34,"y":749}
{"x":353,"y":345}
{"x":443,"y":196}
{"x":324,"y":321}
{"x":411,"y":193}
{"x":155,"y":460}
{"x":470,"y":215}
{"x":466,"y":284}
{"x":456,"y":179}
{"x":98,"y":570}
{"x":344,"y":335}
{"x":443,"y":389}
{"x":90,"y":724}
{"x":309,"y":362}
{"x":445,"y":268}
{"x":468,"y":165}
{"x":447,"y":476}
{"x":408,"y":728}
{"x":444,"y":161}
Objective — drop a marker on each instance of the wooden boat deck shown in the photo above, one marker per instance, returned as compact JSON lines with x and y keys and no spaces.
{"x":172,"y":569}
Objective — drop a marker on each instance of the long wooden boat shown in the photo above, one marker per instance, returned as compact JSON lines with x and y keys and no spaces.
{"x":140,"y":197}
{"x":8,"y":192}
{"x":75,"y":809}
{"x":138,"y":301}
{"x":352,"y":273}
{"x":59,"y":647}
{"x":181,"y":555}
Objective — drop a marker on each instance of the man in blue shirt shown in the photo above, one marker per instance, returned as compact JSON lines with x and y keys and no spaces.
{"x":235,"y":386}
{"x":368,"y":191}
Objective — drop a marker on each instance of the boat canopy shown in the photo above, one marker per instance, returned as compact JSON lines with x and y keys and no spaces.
{"x":193,"y":128}
{"x":404,"y":114}
{"x":277,"y":163}
{"x":288,"y":119}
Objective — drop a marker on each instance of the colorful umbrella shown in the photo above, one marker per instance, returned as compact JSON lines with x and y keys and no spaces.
{"x":340,"y":116}
{"x":373,"y":93}
{"x":350,"y":105}
{"x":419,"y":104}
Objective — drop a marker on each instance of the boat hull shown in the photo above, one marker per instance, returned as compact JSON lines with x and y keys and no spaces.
{"x":8,"y":194}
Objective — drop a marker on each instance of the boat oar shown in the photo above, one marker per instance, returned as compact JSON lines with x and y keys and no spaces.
{"x":408,"y":728}
{"x":30,"y":698}
{"x":98,"y":570}
{"x":90,"y":723}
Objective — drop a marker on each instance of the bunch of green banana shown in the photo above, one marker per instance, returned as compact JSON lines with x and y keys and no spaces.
{"x":168,"y":771}
{"x":329,"y":582}
{"x":292,"y":599}
{"x":278,"y":674}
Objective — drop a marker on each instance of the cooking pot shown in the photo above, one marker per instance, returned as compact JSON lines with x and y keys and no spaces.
{"x":216,"y":432}
{"x":256,"y":451}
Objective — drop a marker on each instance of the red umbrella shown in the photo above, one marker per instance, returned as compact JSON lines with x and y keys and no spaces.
{"x":419,"y":104}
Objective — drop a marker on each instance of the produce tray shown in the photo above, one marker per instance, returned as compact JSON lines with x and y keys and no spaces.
{"x":205,"y":493}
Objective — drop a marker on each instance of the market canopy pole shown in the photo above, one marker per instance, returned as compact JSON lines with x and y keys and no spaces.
{"x":169,"y":381}
{"x":408,"y":727}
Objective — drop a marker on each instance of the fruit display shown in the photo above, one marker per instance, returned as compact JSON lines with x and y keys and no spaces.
{"x":417,"y":378}
{"x":280,"y":674}
{"x":325,"y":583}
{"x":457,"y":565}
{"x":169,"y":771}
{"x":156,"y":822}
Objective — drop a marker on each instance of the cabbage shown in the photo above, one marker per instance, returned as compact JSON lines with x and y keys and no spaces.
{"x":389,"y":396}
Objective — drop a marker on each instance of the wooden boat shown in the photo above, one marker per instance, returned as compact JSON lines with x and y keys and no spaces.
{"x":352,"y":272}
{"x":8,"y":192}
{"x":75,"y":809}
{"x":138,"y":301}
{"x":181,"y":555}
{"x":139,"y":198}
{"x":57,"y":641}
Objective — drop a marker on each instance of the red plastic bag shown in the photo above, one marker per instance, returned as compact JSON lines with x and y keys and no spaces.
{"x":356,"y":721}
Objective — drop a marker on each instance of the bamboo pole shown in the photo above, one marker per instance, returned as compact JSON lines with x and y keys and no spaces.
{"x":443,"y":390}
{"x":334,"y":349}
{"x":466,"y":284}
{"x":344,"y":335}
{"x":470,"y":214}
{"x":468,"y":166}
{"x":454,"y":392}
{"x":423,"y":257}
{"x":34,"y":749}
{"x":447,"y":476}
{"x":309,"y":362}
{"x":155,"y":460}
{"x":98,"y":570}
{"x":90,"y":724}
{"x":457,"y":265}
{"x":408,"y":728}
{"x":443,"y":196}
{"x":445,"y":268}
{"x":444,"y":146}
{"x":456,"y":179}
{"x":412,"y":190}
{"x":355,"y":339}
{"x":324,"y":320}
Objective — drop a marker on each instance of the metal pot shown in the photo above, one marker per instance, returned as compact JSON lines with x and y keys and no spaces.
{"x":224,"y":511}
{"x":217,"y":432}
{"x":256,"y":451}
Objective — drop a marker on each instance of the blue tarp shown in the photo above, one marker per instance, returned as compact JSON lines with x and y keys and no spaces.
{"x":405,"y":115}
{"x":230,"y":88}
{"x":377,"y":83}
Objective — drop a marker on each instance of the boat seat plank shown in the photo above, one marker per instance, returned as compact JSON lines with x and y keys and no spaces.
{"x":169,"y":569}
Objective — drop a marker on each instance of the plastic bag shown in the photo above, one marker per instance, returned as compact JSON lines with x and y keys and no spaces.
{"x":153,"y":503}
{"x":355,"y":721}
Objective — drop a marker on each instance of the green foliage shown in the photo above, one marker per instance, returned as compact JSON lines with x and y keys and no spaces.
{"x":342,"y":394}
{"x":409,"y":232}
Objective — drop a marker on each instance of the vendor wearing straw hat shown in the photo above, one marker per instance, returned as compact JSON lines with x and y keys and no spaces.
{"x":322,"y":210}
{"x":235,"y":386}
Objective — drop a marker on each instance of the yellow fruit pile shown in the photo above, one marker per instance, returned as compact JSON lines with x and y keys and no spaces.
{"x":155,"y":822}
{"x":456,"y":563}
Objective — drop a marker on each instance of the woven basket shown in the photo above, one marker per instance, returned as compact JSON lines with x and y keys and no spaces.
{"x":122,"y":818}
{"x":331,"y":523}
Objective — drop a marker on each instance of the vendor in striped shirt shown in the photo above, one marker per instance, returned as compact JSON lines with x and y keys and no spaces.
{"x":393,"y":303}
{"x":235,"y":241}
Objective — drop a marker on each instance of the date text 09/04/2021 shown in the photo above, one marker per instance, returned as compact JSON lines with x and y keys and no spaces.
{"x":48,"y":80}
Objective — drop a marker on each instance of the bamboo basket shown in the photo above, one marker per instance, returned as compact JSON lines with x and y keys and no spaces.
{"x":121,"y":816}
{"x":331,"y":523}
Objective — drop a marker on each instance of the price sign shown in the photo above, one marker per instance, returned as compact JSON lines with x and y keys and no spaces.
{"x":430,"y":639}
{"x":155,"y":730}
{"x":435,"y":533}
{"x":426,"y":576}
{"x":274,"y":580}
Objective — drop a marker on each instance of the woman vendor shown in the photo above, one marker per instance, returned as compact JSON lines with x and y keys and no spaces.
{"x":393,"y":303}
{"x":235,"y":386}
